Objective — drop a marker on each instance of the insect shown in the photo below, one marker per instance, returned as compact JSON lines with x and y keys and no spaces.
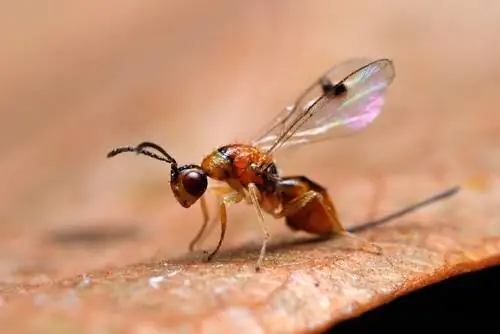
{"x":344,"y":100}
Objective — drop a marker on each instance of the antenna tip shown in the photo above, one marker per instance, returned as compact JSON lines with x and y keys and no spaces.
{"x":112,"y":153}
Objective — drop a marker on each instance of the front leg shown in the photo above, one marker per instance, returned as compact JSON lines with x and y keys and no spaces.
{"x":231,"y":198}
{"x":220,"y":190}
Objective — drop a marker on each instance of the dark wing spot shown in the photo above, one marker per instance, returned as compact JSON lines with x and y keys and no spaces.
{"x":339,"y":89}
{"x":329,"y":88}
{"x":326,"y":85}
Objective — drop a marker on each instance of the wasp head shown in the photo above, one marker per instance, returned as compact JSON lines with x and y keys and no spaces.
{"x":188,"y":182}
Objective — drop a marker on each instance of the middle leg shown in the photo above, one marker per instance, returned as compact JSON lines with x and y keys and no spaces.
{"x":254,"y":194}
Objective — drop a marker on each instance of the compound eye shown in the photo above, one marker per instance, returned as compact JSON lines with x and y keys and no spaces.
{"x":194,"y":182}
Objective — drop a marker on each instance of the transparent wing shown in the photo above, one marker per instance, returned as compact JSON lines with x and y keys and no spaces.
{"x":344,"y":100}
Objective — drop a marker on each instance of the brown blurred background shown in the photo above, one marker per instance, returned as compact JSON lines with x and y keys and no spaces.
{"x":79,"y":78}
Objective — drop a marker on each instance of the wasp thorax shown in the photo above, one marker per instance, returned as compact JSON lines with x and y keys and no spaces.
{"x":188,"y":184}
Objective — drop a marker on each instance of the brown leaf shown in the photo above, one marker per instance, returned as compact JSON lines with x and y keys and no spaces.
{"x":82,"y":78}
{"x":306,"y":285}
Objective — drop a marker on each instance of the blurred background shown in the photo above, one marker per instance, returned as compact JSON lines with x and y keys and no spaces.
{"x":82,"y":77}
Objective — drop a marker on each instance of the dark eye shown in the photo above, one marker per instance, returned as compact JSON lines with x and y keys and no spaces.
{"x":195,"y":183}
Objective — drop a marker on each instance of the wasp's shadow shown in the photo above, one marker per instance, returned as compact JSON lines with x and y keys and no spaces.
{"x":94,"y":234}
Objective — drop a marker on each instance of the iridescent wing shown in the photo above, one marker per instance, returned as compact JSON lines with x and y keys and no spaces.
{"x":344,"y":100}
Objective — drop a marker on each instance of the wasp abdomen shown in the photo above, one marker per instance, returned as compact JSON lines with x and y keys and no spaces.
{"x":315,"y":216}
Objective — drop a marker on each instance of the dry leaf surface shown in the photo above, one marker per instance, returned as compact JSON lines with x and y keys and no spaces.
{"x":307,"y":285}
{"x":99,"y":246}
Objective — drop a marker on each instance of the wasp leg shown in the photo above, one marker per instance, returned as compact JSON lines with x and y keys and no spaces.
{"x":199,"y":237}
{"x":297,"y":204}
{"x":209,"y":229}
{"x":232,"y":198}
{"x":376,"y":248}
{"x":206,"y":218}
{"x":254,"y":195}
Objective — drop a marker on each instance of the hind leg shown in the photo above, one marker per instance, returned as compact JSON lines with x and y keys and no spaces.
{"x":299,"y":203}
